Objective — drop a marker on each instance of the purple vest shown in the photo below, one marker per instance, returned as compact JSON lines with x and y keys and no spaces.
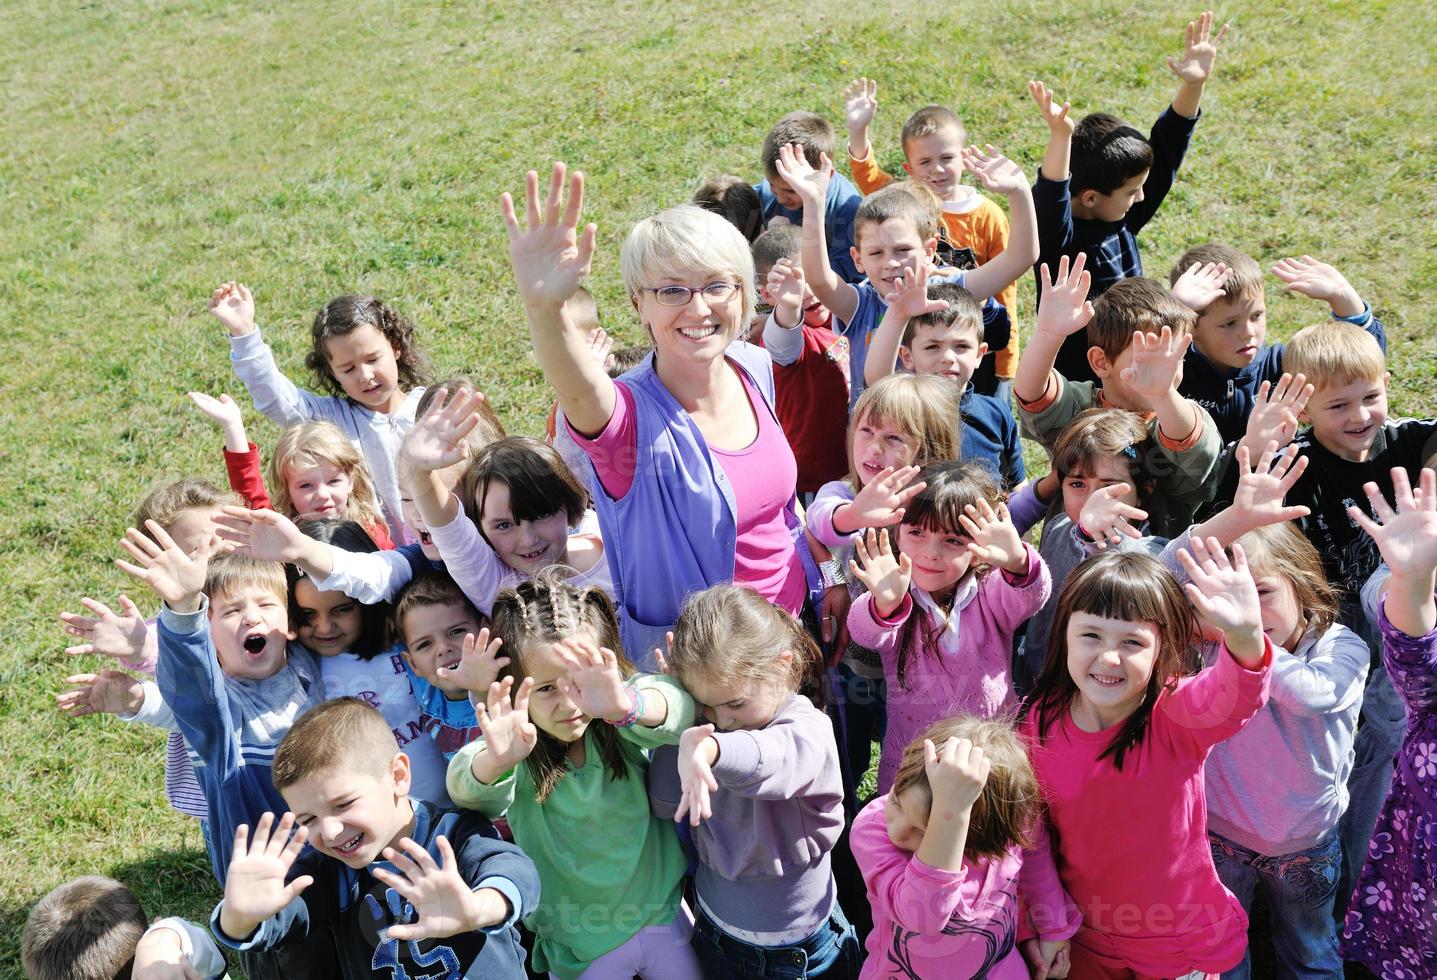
{"x":675,"y":531}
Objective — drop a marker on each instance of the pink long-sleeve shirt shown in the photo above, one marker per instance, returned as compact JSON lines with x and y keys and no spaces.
{"x":1131,"y":844}
{"x":928,"y":922}
{"x":970,"y":671}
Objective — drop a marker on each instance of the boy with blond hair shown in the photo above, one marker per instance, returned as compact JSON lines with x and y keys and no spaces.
{"x":974,"y":230}
{"x":1118,"y":178}
{"x":1137,"y":336}
{"x":782,"y":203}
{"x":1229,"y":357}
{"x":400,"y":887}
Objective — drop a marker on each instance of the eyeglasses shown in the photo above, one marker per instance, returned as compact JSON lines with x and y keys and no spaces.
{"x":714,"y":292}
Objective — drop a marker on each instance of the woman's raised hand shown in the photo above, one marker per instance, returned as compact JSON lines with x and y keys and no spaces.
{"x":551,"y":257}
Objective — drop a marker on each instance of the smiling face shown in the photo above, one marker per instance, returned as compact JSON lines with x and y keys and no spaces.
{"x":319,"y":490}
{"x":353,"y":814}
{"x":249,"y":625}
{"x":747,"y":704}
{"x":1103,"y":471}
{"x":937,"y":160}
{"x":1345,"y":418}
{"x":525,"y":546}
{"x":329,"y":622}
{"x":889,"y":249}
{"x":1230,"y":332}
{"x":1110,"y":661}
{"x":950,"y":350}
{"x":940,"y":558}
{"x":698,"y":331}
{"x":366,"y":366}
{"x":906,"y":815}
{"x":434,"y":638}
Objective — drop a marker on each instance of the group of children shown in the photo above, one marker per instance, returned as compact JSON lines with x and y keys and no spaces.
{"x":398,"y":700}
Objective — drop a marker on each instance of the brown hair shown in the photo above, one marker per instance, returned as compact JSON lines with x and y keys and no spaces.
{"x":728,"y":633}
{"x":735,"y":200}
{"x":923,"y":406}
{"x":1010,"y":805}
{"x":345,"y":314}
{"x":627,"y":358}
{"x":166,"y":503}
{"x":779,"y":242}
{"x":951,"y":488}
{"x":1119,"y":585}
{"x":435,"y":588}
{"x":1131,"y":305}
{"x":547,"y":609}
{"x":894,"y":203}
{"x":540,"y":482}
{"x":85,"y":929}
{"x":1244,"y":277}
{"x":808,"y":129}
{"x":1334,"y":353}
{"x":1098,"y":432}
{"x":341,"y":733}
{"x":963,"y":310}
{"x":490,"y":427}
{"x":1284,"y":551}
{"x":929,"y":120}
{"x":583,"y":311}
{"x":227,"y":572}
{"x":318,"y":442}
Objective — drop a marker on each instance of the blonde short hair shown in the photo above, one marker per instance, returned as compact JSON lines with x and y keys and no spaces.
{"x":232,"y":571}
{"x":1334,"y":353}
{"x":315,"y":443}
{"x":683,"y":240}
{"x":924,"y":406}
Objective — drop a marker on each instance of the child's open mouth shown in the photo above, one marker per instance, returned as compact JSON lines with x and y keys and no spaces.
{"x":1104,"y":681}
{"x":255,"y":643}
{"x":531,"y":555}
{"x":350,"y":846}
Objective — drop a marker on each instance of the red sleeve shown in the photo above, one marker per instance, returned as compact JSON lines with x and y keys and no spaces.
{"x":379,"y":534}
{"x":246,"y":478}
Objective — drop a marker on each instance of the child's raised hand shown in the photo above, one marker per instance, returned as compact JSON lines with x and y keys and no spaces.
{"x":697,"y":752}
{"x":807,"y":183}
{"x":110,"y":692}
{"x":885,"y":577}
{"x":601,"y":347}
{"x":234,"y":306}
{"x":1157,"y":366}
{"x":121,"y":635}
{"x":1055,"y":116}
{"x":479,"y":662}
{"x":994,"y":171}
{"x":437,"y":440}
{"x":860,"y":102}
{"x":660,"y":661}
{"x":177,"y":578}
{"x":509,"y":735}
{"x":1199,"y":50}
{"x":1406,"y":534}
{"x":222,"y":410}
{"x":1065,"y":308}
{"x":910,"y":295}
{"x":551,"y":257}
{"x":1223,"y":592}
{"x":1201,"y":285}
{"x":264,"y":534}
{"x":882,"y":500}
{"x":994,"y":538}
{"x":594,"y":683}
{"x":786,"y":288}
{"x":1107,"y":519}
{"x":1276,"y":410}
{"x":444,"y":903}
{"x":1320,"y":281}
{"x":255,"y":888}
{"x":1261,"y":486}
{"x":957,"y":773}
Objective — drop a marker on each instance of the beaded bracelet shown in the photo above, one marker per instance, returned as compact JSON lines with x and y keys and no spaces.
{"x":636,"y":708}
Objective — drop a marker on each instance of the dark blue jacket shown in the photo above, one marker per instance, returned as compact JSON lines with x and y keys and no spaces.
{"x":840,"y":207}
{"x":990,"y":434}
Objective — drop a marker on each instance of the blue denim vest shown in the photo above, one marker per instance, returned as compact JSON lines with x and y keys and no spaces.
{"x":675,"y":531}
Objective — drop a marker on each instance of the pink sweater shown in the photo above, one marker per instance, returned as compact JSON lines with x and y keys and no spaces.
{"x":969,"y":672}
{"x":932,"y":923}
{"x":1132,"y":843}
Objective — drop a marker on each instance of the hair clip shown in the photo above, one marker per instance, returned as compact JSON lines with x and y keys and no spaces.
{"x":1130,"y":452}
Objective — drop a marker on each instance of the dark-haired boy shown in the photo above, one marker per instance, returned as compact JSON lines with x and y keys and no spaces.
{"x":1118,"y":179}
{"x":399,"y":886}
{"x":782,"y":201}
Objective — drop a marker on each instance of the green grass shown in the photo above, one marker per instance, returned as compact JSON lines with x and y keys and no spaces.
{"x":153,"y":149}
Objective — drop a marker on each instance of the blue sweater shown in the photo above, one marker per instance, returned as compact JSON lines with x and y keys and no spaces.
{"x":1111,"y":246}
{"x":231,"y":726}
{"x":990,"y":434}
{"x":353,"y":910}
{"x":839,"y":209}
{"x":1229,"y":393}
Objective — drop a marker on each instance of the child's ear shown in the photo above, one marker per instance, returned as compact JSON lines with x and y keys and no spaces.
{"x":905,"y":356}
{"x":786,"y":657}
{"x":907,"y":168}
{"x":853,"y":254}
{"x":1098,"y":361}
{"x":982,"y":350}
{"x":1088,"y":198}
{"x":402,"y":773}
{"x":930,"y":247}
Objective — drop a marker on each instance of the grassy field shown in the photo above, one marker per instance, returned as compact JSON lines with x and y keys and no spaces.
{"x":153,"y":149}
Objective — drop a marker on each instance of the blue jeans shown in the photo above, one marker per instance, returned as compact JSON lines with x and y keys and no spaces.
{"x":1300,"y":889}
{"x":832,"y":953}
